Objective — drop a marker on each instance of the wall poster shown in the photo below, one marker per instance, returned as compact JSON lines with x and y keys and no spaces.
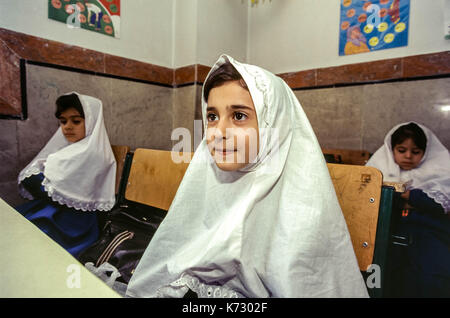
{"x":101,"y":16}
{"x":373,"y":25}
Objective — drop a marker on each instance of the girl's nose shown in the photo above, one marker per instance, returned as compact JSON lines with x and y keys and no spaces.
{"x":222,"y":127}
{"x":408,"y":154}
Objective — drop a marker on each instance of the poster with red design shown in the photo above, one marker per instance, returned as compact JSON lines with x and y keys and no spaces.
{"x":101,"y":16}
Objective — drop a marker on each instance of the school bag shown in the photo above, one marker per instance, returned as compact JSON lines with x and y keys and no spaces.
{"x":148,"y":185}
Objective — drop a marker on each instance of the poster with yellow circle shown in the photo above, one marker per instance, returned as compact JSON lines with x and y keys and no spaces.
{"x":371,"y":25}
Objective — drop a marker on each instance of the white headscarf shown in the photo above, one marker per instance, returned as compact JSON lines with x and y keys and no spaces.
{"x":432,"y":175}
{"x":80,"y":175}
{"x":273,"y":230}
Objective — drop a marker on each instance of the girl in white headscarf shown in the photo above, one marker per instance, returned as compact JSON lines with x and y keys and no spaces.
{"x":413,"y":155}
{"x":72,"y":176}
{"x":258,"y":218}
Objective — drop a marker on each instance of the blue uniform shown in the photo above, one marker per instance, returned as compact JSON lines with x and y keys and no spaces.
{"x":73,"y":229}
{"x":422,"y":269}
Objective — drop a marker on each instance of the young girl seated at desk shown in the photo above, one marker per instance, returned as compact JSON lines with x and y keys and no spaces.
{"x":413,"y":155}
{"x":73,"y":175}
{"x":256,"y":214}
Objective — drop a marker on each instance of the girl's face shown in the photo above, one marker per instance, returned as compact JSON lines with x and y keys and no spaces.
{"x":407,"y":155}
{"x":232,"y":134}
{"x":72,"y":125}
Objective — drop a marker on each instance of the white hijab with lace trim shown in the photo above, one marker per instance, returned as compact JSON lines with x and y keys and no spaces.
{"x":432,"y":175}
{"x":273,"y":229}
{"x":80,"y":175}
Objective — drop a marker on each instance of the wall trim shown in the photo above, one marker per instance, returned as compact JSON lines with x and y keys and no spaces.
{"x":19,"y":49}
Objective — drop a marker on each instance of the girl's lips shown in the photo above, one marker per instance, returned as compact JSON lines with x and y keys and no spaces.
{"x":224,"y":151}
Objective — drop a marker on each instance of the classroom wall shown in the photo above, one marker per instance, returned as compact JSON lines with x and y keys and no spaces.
{"x":292,"y":36}
{"x":358,"y":117}
{"x":170,"y":33}
{"x":205,"y":29}
{"x":280,"y":35}
{"x":288,"y":36}
{"x":145,"y":35}
{"x":222,"y":28}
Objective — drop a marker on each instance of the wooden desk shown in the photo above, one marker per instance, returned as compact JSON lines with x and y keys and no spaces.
{"x":33,"y":265}
{"x":348,"y":156}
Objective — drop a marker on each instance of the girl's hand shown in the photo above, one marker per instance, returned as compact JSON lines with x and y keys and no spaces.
{"x":405,"y":195}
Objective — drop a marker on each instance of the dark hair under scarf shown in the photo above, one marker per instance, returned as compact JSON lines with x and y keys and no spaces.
{"x":65,"y":102}
{"x":225,"y":73}
{"x":412,"y":131}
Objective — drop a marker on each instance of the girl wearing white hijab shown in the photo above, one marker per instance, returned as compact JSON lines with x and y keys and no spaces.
{"x":71,"y":176}
{"x":263,"y":226}
{"x":412,"y":154}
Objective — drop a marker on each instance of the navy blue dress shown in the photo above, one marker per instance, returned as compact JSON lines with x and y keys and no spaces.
{"x":74,"y":230}
{"x":422,"y":269}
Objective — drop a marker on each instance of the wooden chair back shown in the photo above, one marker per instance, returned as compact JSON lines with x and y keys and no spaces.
{"x":154,"y":178}
{"x":358,"y":189}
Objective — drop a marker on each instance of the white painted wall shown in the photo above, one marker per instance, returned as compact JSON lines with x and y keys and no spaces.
{"x":146,"y":28}
{"x":185,"y":33}
{"x":222,"y":28}
{"x":280,"y":35}
{"x":294,"y":35}
{"x":205,"y":29}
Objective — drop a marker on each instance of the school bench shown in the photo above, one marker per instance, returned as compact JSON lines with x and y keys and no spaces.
{"x":152,"y":178}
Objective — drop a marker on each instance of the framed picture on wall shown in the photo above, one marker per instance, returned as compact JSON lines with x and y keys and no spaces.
{"x":101,"y":16}
{"x":373,"y":25}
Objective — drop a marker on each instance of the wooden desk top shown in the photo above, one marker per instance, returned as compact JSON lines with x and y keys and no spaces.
{"x":33,"y":265}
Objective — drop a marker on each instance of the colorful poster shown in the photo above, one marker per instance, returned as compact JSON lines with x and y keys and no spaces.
{"x":101,"y":16}
{"x":367,"y":26}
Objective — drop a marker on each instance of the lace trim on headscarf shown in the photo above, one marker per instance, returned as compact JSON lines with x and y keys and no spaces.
{"x":59,"y":197}
{"x":263,"y":86}
{"x":440,"y":198}
{"x":26,"y":174}
{"x":201,"y":289}
{"x":76,"y":204}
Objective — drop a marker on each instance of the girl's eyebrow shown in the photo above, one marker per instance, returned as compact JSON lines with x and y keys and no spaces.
{"x":233,"y":107}
{"x":74,"y":116}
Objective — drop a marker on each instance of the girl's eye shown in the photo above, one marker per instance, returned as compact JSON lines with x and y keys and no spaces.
{"x":211,"y":117}
{"x":240,"y":116}
{"x":63,"y":122}
{"x":76,"y":122}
